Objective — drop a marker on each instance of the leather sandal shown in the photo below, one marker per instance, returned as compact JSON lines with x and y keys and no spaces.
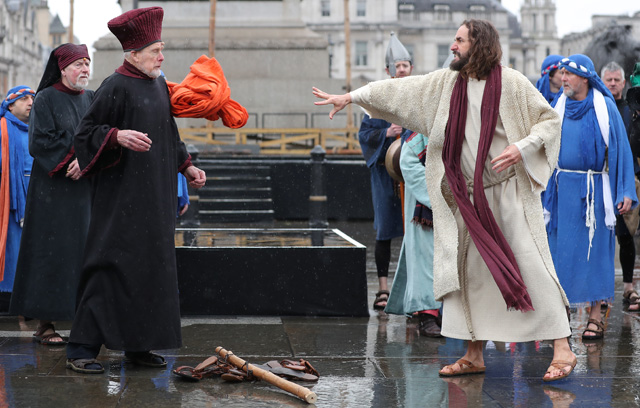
{"x":207,"y":368}
{"x":145,"y":358}
{"x":631,"y":297}
{"x":302,"y":365}
{"x":80,"y":365}
{"x":276,"y":368}
{"x":599,"y":331}
{"x":379,"y":299}
{"x":466,"y":368}
{"x":46,"y":339}
{"x":561,"y":365}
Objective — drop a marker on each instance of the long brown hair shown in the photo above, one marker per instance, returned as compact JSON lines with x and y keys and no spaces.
{"x":485,"y":52}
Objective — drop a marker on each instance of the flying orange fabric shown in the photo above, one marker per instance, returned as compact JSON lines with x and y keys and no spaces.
{"x":205,"y":93}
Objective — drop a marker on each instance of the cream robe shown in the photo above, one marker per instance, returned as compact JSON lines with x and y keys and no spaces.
{"x":473,"y":306}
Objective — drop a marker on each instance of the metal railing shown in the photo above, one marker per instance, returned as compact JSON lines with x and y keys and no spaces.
{"x":278,"y":140}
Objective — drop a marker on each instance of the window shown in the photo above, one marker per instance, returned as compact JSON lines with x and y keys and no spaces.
{"x":325,"y":8}
{"x":443,"y":53}
{"x":361,"y":53}
{"x":477,"y":8}
{"x":442,"y":12}
{"x":361,"y":8}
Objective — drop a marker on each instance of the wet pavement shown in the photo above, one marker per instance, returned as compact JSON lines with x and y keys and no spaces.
{"x":379,"y":361}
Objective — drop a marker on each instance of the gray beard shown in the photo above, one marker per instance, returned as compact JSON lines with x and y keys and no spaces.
{"x":80,"y":85}
{"x":569,"y":92}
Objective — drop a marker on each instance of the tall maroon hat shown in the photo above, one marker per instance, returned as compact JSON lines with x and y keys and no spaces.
{"x":138,"y":28}
{"x":68,"y":53}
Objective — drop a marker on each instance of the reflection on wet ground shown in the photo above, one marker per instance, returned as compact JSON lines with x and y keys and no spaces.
{"x":379,"y":361}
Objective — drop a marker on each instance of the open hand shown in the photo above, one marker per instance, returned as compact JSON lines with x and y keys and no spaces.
{"x":338,"y":101}
{"x":510,"y":156}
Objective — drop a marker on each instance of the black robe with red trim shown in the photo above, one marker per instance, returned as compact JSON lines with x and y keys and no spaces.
{"x":57,"y":211}
{"x":128,"y":295}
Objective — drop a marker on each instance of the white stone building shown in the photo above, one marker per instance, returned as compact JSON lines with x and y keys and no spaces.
{"x":427,"y":29}
{"x":21,"y":51}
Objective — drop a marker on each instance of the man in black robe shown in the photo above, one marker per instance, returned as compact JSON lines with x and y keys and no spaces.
{"x":58,"y":201}
{"x":128,"y":143}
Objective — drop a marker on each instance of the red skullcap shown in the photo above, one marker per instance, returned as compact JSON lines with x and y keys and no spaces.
{"x":68,"y":53}
{"x":138,"y":28}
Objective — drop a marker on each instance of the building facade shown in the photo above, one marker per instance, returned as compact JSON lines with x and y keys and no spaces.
{"x":427,"y":29}
{"x":21,"y":51}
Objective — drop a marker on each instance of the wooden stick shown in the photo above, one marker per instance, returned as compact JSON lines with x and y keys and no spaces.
{"x":295,"y":389}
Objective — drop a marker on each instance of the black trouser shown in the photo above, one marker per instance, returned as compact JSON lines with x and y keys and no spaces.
{"x":77,"y":350}
{"x":627,"y":249}
{"x":383,"y":257}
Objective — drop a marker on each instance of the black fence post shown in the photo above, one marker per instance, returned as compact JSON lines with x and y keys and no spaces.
{"x":317,"y":195}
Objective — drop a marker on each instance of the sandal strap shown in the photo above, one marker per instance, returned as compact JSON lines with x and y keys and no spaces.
{"x":462,"y":362}
{"x":631,"y":295}
{"x":560,"y":363}
{"x":41,"y":329}
{"x":598,"y":324}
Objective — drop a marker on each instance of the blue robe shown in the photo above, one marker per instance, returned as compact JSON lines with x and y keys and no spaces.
{"x":20,"y":163}
{"x":582,"y":148}
{"x":387,"y":209}
{"x":183,"y":192}
{"x":412,"y":289}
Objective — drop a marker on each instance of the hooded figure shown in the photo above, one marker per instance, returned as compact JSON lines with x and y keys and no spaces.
{"x":593,"y":181}
{"x":549,"y":68}
{"x":58,"y":200}
{"x":16,"y":171}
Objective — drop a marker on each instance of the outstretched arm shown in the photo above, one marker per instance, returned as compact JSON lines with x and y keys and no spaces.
{"x":339,"y":101}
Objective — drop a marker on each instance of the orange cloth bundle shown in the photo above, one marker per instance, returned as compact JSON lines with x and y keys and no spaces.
{"x":205,"y":93}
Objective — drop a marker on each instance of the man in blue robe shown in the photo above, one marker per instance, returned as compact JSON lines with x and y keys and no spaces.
{"x":375,"y":137}
{"x":549,"y":83}
{"x":16,"y":171}
{"x":593,"y":180}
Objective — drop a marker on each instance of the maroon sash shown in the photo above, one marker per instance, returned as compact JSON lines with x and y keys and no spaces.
{"x":478,"y":218}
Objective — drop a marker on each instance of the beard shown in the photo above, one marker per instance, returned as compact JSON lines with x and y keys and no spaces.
{"x":80,"y":84}
{"x":568,"y":92}
{"x":458,"y":64}
{"x":154,"y":73}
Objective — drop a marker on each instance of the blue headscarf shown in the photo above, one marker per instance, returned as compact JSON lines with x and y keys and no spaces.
{"x":552,"y":62}
{"x":13,"y":95}
{"x":17,"y":186}
{"x":582,"y":65}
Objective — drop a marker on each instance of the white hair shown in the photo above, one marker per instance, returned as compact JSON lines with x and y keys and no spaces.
{"x":612,"y":67}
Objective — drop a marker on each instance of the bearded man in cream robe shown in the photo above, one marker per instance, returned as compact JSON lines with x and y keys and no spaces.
{"x":493,"y":143}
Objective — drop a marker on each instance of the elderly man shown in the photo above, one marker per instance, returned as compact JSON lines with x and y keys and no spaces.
{"x":129,"y":143}
{"x":594,"y":179}
{"x":57,"y":212}
{"x":549,"y":83}
{"x":16,"y":171}
{"x":493,"y":142}
{"x":375,"y":137}
{"x":613,"y":78}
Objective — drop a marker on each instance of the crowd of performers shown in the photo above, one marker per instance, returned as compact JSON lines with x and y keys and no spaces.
{"x":508,"y":198}
{"x":513,"y":196}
